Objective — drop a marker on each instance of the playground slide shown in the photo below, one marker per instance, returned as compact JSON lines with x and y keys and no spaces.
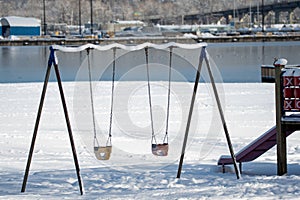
{"x":255,"y":149}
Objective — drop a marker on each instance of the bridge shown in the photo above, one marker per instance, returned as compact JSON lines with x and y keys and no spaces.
{"x":256,"y":12}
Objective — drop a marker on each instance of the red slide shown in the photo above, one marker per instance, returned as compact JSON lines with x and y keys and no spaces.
{"x":254,"y":149}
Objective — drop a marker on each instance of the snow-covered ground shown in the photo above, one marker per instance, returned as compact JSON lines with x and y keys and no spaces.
{"x":132,"y":172}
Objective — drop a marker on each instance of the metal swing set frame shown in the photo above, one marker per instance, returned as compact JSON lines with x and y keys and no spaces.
{"x":103,"y":152}
{"x":52,"y":62}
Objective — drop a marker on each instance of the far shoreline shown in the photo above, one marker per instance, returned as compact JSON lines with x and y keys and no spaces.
{"x":41,"y":41}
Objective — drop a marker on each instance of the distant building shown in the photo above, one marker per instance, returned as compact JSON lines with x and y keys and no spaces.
{"x":20,"y":26}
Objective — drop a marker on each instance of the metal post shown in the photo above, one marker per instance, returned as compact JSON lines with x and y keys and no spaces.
{"x":92,"y":28}
{"x":222,"y":118}
{"x":234,"y":12}
{"x":190,"y":112}
{"x":281,"y":136}
{"x":44,"y":13}
{"x":79,"y":16}
{"x":250,"y":11}
{"x":51,"y":62}
{"x":37,"y":124}
{"x":263,"y":16}
{"x":68,"y":126}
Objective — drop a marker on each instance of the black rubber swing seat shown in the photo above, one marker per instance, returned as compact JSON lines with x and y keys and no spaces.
{"x":160,"y":149}
{"x":103,"y":153}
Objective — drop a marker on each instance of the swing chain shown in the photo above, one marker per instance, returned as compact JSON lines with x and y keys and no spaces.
{"x":165,"y":140}
{"x":169,"y":97}
{"x":108,"y":143}
{"x":149,"y":95}
{"x":92,"y":98}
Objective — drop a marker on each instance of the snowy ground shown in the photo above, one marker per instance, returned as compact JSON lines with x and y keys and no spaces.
{"x":132,"y":172}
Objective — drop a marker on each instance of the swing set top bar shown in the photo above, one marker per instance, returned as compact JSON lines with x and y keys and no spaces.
{"x":129,"y":47}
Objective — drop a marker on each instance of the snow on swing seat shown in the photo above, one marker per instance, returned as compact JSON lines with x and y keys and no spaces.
{"x":160,"y":149}
{"x":103,"y":153}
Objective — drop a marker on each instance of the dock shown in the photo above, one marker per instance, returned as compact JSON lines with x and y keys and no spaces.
{"x":47,"y":41}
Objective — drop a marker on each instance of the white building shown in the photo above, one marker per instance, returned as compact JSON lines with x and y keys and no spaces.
{"x":20,"y":26}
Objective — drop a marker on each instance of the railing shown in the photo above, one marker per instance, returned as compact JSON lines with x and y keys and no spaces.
{"x":268,"y":73}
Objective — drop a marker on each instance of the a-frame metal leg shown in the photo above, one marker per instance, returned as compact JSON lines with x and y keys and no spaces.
{"x":190,"y":113}
{"x":222,"y":117}
{"x":69,"y":127}
{"x":36,"y":127}
{"x":52,"y":61}
{"x":202,"y":57}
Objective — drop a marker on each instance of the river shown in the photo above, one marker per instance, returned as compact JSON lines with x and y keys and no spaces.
{"x":236,"y":62}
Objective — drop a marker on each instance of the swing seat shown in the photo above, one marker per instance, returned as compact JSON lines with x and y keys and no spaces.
{"x":103,"y":153}
{"x":160,"y":149}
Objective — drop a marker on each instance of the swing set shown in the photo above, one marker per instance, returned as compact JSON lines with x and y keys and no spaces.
{"x":158,"y":149}
{"x":105,"y":152}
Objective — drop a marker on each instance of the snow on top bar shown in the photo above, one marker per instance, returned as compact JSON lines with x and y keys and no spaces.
{"x":128,"y":47}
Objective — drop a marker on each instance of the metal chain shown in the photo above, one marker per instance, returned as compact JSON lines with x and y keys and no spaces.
{"x":149,"y":94}
{"x":112,"y":97}
{"x":92,"y":98}
{"x":169,"y":97}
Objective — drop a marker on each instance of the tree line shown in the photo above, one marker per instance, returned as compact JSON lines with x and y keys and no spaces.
{"x":67,"y":11}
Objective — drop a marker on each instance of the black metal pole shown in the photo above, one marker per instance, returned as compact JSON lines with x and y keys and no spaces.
{"x":44,"y":13}
{"x":50,"y":62}
{"x":36,"y":125}
{"x":190,"y":113}
{"x":79,"y":16}
{"x":222,"y":117}
{"x":68,"y":126}
{"x":92,"y":28}
{"x":263,"y":16}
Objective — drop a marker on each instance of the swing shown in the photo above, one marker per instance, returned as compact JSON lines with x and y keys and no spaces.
{"x":102,"y":152}
{"x":162,"y":148}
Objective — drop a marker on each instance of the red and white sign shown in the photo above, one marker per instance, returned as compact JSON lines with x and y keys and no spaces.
{"x":288,"y":77}
{"x":289,"y":104}
{"x":297,"y":104}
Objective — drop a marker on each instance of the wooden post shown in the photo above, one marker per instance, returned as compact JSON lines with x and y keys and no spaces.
{"x":281,"y":135}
